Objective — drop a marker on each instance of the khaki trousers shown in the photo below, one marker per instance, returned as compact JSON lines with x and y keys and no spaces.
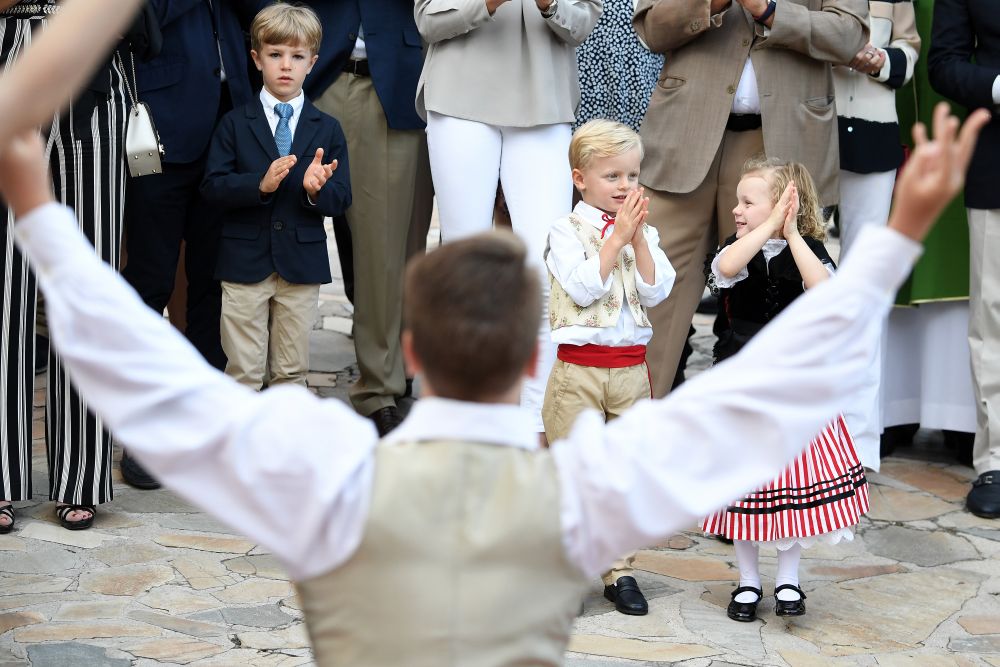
{"x":984,"y":334}
{"x":691,"y":225}
{"x":265,"y":326}
{"x":571,"y":390}
{"x":383,"y":164}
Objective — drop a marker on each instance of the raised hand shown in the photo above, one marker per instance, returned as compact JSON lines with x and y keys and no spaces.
{"x":276,"y":173}
{"x":317,"y":173}
{"x":935,"y":171}
{"x":630,"y":217}
{"x":790,"y":210}
{"x":24,"y":173}
{"x":869,"y":60}
{"x":779,"y":213}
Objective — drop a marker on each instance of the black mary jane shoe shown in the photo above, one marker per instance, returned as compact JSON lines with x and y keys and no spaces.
{"x":627,"y":597}
{"x":789,"y":607}
{"x":7,"y":511}
{"x":744,"y":612}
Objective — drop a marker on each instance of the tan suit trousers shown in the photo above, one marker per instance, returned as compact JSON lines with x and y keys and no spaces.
{"x":383,"y":164}
{"x":265,"y":328}
{"x":573,"y":389}
{"x":691,"y":225}
{"x":984,"y":334}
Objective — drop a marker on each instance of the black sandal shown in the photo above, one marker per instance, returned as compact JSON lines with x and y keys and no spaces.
{"x":744,"y":612}
{"x":82,"y":524}
{"x":789,"y":607}
{"x":7,"y":511}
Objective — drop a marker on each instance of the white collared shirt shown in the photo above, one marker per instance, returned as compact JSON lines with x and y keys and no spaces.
{"x":268,"y":101}
{"x":294,"y":472}
{"x":581,"y":278}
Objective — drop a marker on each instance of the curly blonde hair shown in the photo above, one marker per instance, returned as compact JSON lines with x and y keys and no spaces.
{"x":778,"y":173}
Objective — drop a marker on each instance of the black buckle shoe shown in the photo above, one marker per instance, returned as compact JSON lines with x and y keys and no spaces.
{"x":744,"y":612}
{"x":386,"y":419}
{"x":789,"y":607}
{"x":984,"y":498}
{"x":135,"y":475}
{"x":627,"y":597}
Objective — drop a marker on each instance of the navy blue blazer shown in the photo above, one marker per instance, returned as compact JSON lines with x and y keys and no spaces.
{"x":281,"y":232}
{"x":963,"y":61}
{"x":395,"y":53}
{"x":182,"y":85}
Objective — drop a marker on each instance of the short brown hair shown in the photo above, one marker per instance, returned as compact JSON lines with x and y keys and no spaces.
{"x":286,"y":23}
{"x":601,"y":138}
{"x":474,"y":309}
{"x":778,"y":173}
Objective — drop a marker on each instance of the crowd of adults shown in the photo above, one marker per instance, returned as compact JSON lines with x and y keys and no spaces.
{"x":463,"y":95}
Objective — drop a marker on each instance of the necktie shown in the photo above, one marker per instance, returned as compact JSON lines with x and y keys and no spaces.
{"x":283,"y":133}
{"x":609,"y":221}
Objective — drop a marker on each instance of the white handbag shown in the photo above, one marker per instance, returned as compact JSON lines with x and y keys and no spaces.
{"x":143,"y":150}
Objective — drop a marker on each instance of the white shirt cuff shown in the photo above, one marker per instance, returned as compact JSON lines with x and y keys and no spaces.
{"x":44,"y":233}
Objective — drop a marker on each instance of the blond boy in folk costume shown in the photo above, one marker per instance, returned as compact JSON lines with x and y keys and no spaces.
{"x":419,"y":549}
{"x":605,"y":268}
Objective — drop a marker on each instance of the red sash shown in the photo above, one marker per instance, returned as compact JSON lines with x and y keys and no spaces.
{"x":602,"y":356}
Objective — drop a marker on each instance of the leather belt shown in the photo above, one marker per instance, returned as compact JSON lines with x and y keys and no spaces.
{"x":743,"y":122}
{"x":357,"y":67}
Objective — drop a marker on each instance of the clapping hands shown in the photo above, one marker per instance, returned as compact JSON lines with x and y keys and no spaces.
{"x":317,"y":174}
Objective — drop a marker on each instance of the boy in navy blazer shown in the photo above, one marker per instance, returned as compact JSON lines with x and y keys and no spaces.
{"x":267,"y":171}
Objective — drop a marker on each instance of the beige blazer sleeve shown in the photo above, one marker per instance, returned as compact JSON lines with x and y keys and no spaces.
{"x":574,"y":19}
{"x":665,"y":25}
{"x":834,"y":33}
{"x":438,"y":20}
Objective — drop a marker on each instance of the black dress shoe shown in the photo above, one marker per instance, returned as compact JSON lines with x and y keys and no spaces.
{"x":135,"y":475}
{"x":627,"y":597}
{"x":744,"y":612}
{"x":984,"y":498}
{"x":789,"y":607}
{"x":386,"y":419}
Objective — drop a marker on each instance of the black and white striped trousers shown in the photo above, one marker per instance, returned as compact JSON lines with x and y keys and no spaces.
{"x":88,"y":176}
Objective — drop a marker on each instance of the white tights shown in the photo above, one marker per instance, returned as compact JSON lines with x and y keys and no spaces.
{"x":747,"y":554}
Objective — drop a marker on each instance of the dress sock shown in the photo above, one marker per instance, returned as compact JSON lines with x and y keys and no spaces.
{"x":788,"y":572}
{"x":746,"y":558}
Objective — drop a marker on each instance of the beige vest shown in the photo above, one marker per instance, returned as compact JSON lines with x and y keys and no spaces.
{"x":603,"y":313}
{"x":460,"y":564}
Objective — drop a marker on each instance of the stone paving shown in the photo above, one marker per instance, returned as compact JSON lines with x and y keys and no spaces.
{"x":155,"y":582}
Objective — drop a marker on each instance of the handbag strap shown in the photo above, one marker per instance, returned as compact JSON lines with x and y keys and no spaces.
{"x":134,"y":87}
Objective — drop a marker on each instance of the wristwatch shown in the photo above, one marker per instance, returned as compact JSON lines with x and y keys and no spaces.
{"x":767,"y":13}
{"x":551,"y":11}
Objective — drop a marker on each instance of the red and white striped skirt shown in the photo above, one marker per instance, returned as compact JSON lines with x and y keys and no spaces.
{"x":822,"y":491}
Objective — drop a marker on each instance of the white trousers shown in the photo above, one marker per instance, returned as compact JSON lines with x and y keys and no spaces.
{"x":865,"y":200}
{"x":468,"y":159}
{"x":984,"y":334}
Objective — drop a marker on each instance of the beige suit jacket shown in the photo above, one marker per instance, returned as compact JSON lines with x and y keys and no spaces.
{"x":514,"y":68}
{"x":687,"y":114}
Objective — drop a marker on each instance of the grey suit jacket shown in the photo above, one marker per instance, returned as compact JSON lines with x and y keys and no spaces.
{"x":514,"y":68}
{"x":693,"y":97}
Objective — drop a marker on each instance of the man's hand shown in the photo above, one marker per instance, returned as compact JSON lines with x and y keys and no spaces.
{"x":24,"y":174}
{"x":869,"y":60}
{"x":276,"y":173}
{"x":935,"y":171}
{"x":756,"y":8}
{"x":491,"y":5}
{"x":718,"y":6}
{"x":317,"y":174}
{"x":543,"y":5}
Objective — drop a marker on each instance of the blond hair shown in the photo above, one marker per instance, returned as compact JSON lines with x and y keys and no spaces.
{"x":601,"y":138}
{"x":285,"y":23}
{"x":778,"y":173}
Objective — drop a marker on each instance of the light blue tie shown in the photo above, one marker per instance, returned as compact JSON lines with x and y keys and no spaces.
{"x":283,"y":133}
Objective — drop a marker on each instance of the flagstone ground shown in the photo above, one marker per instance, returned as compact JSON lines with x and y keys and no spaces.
{"x":156,"y":582}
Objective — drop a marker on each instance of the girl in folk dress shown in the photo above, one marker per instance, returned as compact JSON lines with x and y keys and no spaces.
{"x":776,"y":254}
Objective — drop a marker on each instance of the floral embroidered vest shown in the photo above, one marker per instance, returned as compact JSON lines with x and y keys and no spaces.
{"x":603,"y":313}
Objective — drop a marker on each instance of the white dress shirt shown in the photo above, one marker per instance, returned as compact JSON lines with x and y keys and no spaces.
{"x":268,"y":101}
{"x":581,"y":278}
{"x":294,"y":472}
